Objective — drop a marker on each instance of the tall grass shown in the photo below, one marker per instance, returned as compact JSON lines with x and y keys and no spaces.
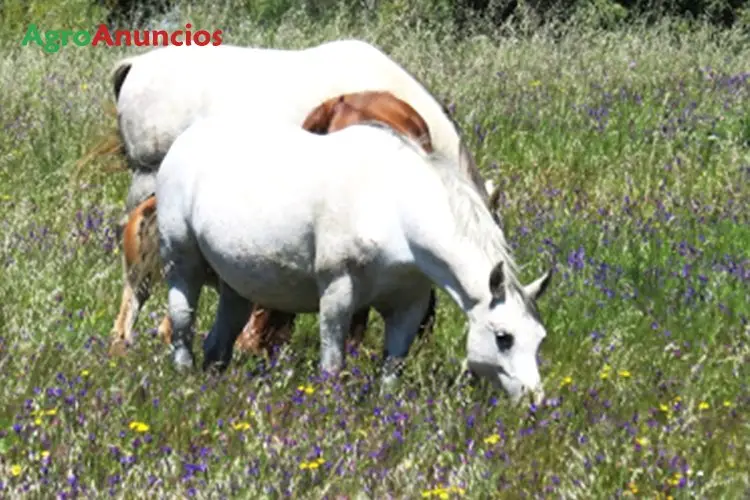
{"x":625,"y":153}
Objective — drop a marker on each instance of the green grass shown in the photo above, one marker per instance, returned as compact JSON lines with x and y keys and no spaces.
{"x":624,"y":153}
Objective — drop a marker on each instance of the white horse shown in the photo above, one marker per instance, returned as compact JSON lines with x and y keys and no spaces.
{"x":161,"y":92}
{"x":363,"y":217}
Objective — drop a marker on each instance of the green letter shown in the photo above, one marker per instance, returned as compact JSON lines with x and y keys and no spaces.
{"x":82,"y":38}
{"x":32,"y":34}
{"x":50,"y":45}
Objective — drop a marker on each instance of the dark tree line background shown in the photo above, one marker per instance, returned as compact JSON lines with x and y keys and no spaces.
{"x":723,"y":13}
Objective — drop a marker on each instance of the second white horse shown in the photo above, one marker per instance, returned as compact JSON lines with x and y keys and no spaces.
{"x":306,"y":223}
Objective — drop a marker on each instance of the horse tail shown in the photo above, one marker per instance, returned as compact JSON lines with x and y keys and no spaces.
{"x":109,"y":143}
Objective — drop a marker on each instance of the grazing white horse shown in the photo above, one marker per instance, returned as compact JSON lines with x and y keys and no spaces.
{"x":306,"y":223}
{"x":161,"y":92}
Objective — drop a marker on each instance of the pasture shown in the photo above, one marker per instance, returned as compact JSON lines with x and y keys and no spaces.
{"x":624,"y":154}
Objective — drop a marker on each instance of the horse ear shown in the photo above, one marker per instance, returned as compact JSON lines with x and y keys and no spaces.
{"x":536,"y":289}
{"x":497,"y":282}
{"x":320,"y":118}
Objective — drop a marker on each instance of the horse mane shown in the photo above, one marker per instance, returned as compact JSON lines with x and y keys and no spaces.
{"x":473,"y":220}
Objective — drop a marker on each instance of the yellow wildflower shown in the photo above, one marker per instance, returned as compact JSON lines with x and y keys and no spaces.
{"x":85,"y":373}
{"x":675,"y":481}
{"x":493,"y":439}
{"x":443,"y":492}
{"x":313,"y":464}
{"x":241,"y":426}
{"x":16,"y":470}
{"x":624,"y":373}
{"x":308,"y":389}
{"x":642,"y":441}
{"x":38,"y":421}
{"x":605,"y":372}
{"x":566,"y":381}
{"x":727,"y":404}
{"x":633,"y":488}
{"x":664,"y":408}
{"x":703,"y":405}
{"x":139,"y":426}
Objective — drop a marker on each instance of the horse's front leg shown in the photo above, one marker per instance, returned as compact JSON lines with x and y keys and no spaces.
{"x":231,"y":316}
{"x":402,"y":322}
{"x":336,"y":309}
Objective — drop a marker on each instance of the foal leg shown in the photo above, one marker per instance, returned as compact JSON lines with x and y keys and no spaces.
{"x":335,"y":316}
{"x":231,"y":316}
{"x":265,"y":330}
{"x":133,"y":299}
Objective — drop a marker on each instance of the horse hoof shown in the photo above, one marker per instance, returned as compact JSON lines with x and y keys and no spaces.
{"x":118,"y":349}
{"x":182,"y":359}
{"x":388,"y":384}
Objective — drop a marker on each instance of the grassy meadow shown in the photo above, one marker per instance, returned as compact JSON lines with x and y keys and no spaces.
{"x":624,"y":154}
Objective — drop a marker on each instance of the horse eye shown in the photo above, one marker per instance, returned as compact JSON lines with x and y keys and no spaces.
{"x":504,"y":342}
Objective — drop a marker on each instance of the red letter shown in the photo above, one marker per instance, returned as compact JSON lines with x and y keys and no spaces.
{"x":164,"y":35}
{"x":188,"y":38}
{"x":119,"y":35}
{"x":137,"y":39}
{"x":173,"y":38}
{"x":217,"y":38}
{"x":102,"y":34}
{"x":202,"y":34}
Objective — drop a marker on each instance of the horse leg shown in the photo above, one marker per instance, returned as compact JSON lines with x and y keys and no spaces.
{"x":185,"y":282}
{"x":135,"y":292}
{"x":428,"y":320}
{"x":336,"y":311}
{"x":265,"y":330}
{"x":231,"y":316}
{"x":359,"y":327}
{"x":142,"y":185}
{"x":165,"y":330}
{"x":401,"y":327}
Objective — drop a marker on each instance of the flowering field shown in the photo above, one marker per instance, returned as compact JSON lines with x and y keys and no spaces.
{"x":624,"y":154}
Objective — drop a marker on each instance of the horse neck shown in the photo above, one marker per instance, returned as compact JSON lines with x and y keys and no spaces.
{"x":460,"y":269}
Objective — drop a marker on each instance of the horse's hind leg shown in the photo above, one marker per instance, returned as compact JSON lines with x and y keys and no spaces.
{"x":335,"y":316}
{"x":231,"y":316}
{"x":185,"y":275}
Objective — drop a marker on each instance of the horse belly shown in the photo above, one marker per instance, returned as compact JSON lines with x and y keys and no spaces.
{"x":268,"y":264}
